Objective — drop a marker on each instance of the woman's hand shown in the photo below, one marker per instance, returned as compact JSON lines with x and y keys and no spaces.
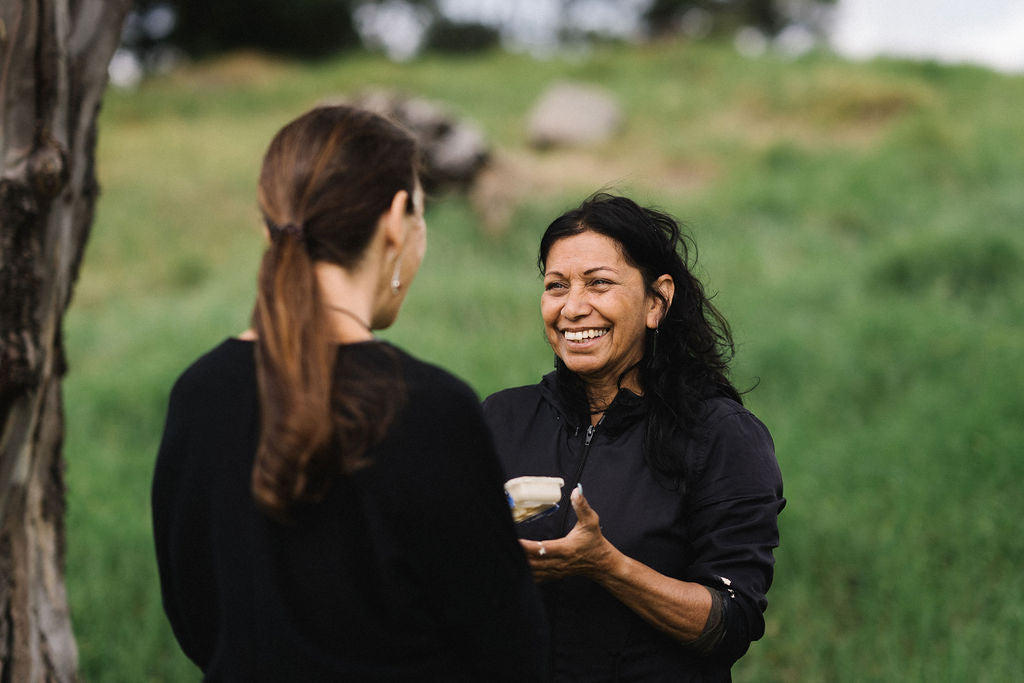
{"x":679,"y":608}
{"x":584,"y":551}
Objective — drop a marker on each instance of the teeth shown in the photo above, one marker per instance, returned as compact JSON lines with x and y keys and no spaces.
{"x":580,"y":335}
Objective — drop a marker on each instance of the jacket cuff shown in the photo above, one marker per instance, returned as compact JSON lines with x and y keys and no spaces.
{"x":714,"y":628}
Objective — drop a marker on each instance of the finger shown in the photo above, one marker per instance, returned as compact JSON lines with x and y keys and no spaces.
{"x":529,"y":547}
{"x":579,"y":503}
{"x":533,"y":549}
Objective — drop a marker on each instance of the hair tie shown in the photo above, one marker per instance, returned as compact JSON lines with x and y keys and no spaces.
{"x":293,"y":229}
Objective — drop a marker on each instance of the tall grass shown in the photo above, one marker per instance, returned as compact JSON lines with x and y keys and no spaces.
{"x":860,"y":223}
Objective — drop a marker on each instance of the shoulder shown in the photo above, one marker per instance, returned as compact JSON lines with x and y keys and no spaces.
{"x":224,"y":371}
{"x":440,"y":431}
{"x":513,"y":399}
{"x":430,"y":389}
{"x":214,"y":401}
{"x":425,"y":377}
{"x":733,"y":442}
{"x":231,"y":359}
{"x":517,"y":400}
{"x":724,"y":414}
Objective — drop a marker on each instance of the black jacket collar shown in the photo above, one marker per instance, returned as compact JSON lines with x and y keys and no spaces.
{"x":626,"y":409}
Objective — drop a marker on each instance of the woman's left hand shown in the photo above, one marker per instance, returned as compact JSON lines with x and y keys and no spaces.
{"x":679,"y":608}
{"x":584,"y":551}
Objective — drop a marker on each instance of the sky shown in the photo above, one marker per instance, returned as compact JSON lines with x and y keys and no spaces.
{"x":985,"y":32}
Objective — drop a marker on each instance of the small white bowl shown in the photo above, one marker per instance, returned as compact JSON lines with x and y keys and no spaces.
{"x":533,"y":496}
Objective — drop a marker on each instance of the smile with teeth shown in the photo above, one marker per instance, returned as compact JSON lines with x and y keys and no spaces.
{"x":583,"y":335}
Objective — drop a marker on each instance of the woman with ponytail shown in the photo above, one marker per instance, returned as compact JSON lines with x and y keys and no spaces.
{"x":659,"y":571}
{"x":315,"y":487}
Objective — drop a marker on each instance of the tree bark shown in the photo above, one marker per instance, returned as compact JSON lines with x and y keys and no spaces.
{"x":52,"y":75}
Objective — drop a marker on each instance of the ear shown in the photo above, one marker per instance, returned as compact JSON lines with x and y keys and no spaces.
{"x":665,"y":286}
{"x":392,"y":222}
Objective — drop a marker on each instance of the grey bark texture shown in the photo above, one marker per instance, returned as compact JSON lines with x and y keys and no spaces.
{"x":53,"y":70}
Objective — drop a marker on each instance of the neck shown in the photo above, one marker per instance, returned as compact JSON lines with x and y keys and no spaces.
{"x":600,"y":394}
{"x":348,"y":300}
{"x":598,"y":400}
{"x":351,"y":315}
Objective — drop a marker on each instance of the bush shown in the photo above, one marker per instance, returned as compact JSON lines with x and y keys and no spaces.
{"x":957,"y":266}
{"x":303,"y":28}
{"x":457,"y":38}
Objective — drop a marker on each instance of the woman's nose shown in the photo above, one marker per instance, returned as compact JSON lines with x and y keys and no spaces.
{"x":576,"y":304}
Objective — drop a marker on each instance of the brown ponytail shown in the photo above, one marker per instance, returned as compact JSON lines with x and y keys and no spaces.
{"x":327,"y":177}
{"x":295,"y":365}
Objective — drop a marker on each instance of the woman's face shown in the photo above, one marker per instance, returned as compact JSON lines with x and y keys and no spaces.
{"x":596,"y":308}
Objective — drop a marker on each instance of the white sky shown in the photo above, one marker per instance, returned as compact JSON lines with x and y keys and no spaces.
{"x":987,"y":32}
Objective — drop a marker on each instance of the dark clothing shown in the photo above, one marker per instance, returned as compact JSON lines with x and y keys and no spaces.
{"x":718,"y":529}
{"x":408,"y":569}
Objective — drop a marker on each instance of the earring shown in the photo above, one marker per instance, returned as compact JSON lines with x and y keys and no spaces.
{"x":396,"y":282}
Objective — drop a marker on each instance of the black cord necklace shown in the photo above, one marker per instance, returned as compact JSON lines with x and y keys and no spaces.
{"x":352,"y":315}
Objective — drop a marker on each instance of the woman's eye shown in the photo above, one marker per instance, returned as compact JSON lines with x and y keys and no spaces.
{"x":553,"y":285}
{"x":600,"y":283}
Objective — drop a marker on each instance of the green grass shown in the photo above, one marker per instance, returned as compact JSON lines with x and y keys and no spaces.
{"x":860,"y":223}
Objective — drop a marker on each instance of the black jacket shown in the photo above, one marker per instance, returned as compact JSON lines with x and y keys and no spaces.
{"x":718,"y":528}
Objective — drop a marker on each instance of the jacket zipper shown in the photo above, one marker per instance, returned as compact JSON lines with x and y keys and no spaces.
{"x":579,"y":470}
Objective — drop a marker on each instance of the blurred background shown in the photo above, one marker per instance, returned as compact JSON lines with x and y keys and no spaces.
{"x":850,"y":171}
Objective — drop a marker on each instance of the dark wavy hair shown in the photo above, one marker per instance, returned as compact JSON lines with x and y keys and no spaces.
{"x":327,"y":178}
{"x":686,"y":360}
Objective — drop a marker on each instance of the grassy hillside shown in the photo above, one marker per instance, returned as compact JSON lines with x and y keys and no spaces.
{"x":861,"y":224}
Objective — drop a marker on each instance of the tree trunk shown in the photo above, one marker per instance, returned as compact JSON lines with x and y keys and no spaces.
{"x":52,"y":74}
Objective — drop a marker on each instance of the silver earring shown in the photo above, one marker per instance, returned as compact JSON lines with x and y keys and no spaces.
{"x":396,"y":282}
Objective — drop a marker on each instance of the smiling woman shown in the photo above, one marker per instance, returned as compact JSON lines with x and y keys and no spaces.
{"x":597,"y":310}
{"x":669,"y":582}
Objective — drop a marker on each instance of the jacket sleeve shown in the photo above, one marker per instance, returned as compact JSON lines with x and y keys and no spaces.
{"x":735,"y":496}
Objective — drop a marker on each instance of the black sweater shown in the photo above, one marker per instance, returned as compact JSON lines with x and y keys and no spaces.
{"x":407,"y":570}
{"x":719,"y":531}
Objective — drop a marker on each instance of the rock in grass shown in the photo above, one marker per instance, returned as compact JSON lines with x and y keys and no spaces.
{"x":570,"y":114}
{"x":454,"y":147}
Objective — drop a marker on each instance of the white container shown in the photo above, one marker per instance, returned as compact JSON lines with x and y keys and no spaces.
{"x":532,"y":496}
